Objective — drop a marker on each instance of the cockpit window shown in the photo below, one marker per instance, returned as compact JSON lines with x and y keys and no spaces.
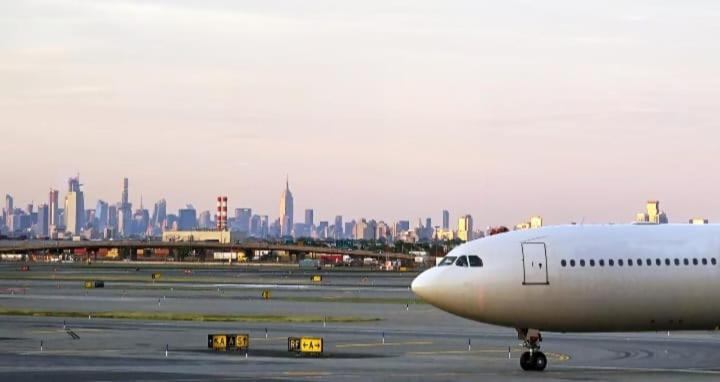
{"x":447,"y":260}
{"x":462,"y":261}
{"x":475,"y":261}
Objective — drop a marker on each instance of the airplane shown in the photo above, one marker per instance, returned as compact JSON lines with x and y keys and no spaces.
{"x":582,"y":278}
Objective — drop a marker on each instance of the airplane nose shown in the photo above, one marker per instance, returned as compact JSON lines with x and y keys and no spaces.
{"x":421,"y":284}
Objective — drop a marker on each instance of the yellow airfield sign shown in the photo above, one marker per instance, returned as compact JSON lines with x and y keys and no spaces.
{"x":311,"y":345}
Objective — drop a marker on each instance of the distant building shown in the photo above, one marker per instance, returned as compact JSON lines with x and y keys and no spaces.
{"x":53,"y":208}
{"x":125,"y":210}
{"x":443,"y":234}
{"x":445,"y":220}
{"x":349,"y":230}
{"x":383,"y":231}
{"x":159,"y":214}
{"x":43,"y":221}
{"x":74,"y":207}
{"x":465,"y":228}
{"x":365,"y":230}
{"x":243,"y":218}
{"x":309,"y":218}
{"x":653,"y":214}
{"x":534,"y":222}
{"x":112,"y":218}
{"x":697,"y":220}
{"x":141,"y":221}
{"x":101,"y":214}
{"x":286,"y":211}
{"x":204,"y":221}
{"x":255,"y":226}
{"x":338,"y":228}
{"x":187,"y":219}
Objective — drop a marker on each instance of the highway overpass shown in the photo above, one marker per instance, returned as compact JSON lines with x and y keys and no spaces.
{"x":55,"y":246}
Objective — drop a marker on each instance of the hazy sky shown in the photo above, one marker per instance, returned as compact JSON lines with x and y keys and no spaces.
{"x":387,"y":109}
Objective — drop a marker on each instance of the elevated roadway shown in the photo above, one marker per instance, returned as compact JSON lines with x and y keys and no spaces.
{"x":27,"y":246}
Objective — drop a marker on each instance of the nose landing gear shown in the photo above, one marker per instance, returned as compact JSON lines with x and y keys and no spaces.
{"x":533,"y":359}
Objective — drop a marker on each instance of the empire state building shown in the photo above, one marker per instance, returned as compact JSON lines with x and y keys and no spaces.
{"x":286,"y":211}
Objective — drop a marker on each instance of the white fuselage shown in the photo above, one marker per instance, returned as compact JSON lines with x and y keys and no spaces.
{"x":523,"y":283}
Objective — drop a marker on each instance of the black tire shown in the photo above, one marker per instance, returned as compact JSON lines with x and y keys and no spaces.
{"x":526,"y":361}
{"x":539,"y":361}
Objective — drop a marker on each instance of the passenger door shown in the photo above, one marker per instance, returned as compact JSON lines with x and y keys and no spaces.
{"x":534,"y":264}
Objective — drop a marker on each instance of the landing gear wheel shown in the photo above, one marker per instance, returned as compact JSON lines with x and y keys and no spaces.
{"x":526,"y":361}
{"x":539,"y":361}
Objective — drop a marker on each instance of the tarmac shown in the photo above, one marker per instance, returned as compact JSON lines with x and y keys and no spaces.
{"x":407,"y":339}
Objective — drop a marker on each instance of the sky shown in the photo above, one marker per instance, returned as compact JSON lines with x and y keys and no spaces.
{"x":573,"y":110}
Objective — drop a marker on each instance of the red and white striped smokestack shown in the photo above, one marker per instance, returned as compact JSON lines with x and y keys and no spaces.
{"x":221,"y":214}
{"x":224,"y":213}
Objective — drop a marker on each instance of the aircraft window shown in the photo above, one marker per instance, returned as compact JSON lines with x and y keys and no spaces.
{"x":639,"y":262}
{"x":686,"y":262}
{"x":704,"y":261}
{"x":572,"y":263}
{"x":712,"y":261}
{"x":582,"y":263}
{"x":462,"y":261}
{"x":620,"y":262}
{"x":601,"y":262}
{"x":475,"y":261}
{"x":629,"y":262}
{"x":658,"y":262}
{"x":592,"y":263}
{"x":695,"y":262}
{"x":563,"y":263}
{"x":447,"y":260}
{"x":667,"y":261}
{"x":611,"y":262}
{"x":677,"y":262}
{"x":648,"y":262}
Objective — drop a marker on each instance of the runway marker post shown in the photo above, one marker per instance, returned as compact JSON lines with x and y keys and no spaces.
{"x":469,"y":345}
{"x":41,"y":345}
{"x":509,"y":352}
{"x":266,"y":333}
{"x":383,"y":338}
{"x":167,"y":346}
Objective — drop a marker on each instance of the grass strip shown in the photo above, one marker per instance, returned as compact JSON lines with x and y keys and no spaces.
{"x":172,"y":316}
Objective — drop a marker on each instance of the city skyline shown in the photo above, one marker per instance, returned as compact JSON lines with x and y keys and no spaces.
{"x":140,"y":220}
{"x":518,"y":111}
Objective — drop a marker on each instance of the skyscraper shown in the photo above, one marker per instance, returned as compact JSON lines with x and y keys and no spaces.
{"x":158,"y":216}
{"x":74,"y":207}
{"x":42,"y":220}
{"x":445,"y":220}
{"x":53,"y":208}
{"x":309,"y":218}
{"x":187,"y":218}
{"x":465,"y":228}
{"x":242,"y":220}
{"x":125,"y":211}
{"x":286,"y":211}
{"x":101,"y":214}
{"x":8,"y":208}
{"x":338,"y":234}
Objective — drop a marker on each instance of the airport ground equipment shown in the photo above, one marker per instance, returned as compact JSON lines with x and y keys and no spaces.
{"x":266,"y":294}
{"x":316,"y":278}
